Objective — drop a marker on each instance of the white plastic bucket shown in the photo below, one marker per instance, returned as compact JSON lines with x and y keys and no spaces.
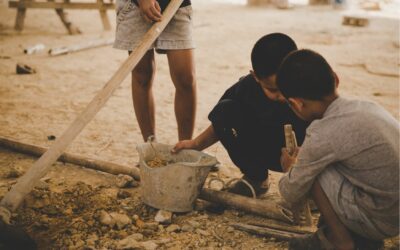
{"x":173,"y":187}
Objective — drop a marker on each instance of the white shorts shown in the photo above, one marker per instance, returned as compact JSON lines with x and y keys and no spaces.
{"x":131,"y":27}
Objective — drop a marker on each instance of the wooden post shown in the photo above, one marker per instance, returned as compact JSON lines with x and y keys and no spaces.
{"x":104,"y":17}
{"x":72,"y":29}
{"x":19,"y":20}
{"x":26,"y":183}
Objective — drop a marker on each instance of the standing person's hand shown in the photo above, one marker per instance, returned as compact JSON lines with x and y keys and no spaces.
{"x":287,"y":160}
{"x":151,"y":10}
{"x":185,"y":144}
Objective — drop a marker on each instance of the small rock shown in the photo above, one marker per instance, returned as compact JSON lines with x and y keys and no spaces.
{"x":128,"y":243}
{"x":187,"y":228}
{"x":149,"y":245}
{"x":147,"y":232}
{"x":151,"y":225}
{"x":194,"y":223}
{"x":24,"y":69}
{"x":173,"y":228}
{"x":136,"y":236}
{"x":79,"y":244}
{"x":14,"y":173}
{"x":121,"y":220}
{"x":124,"y":181}
{"x":106,"y":219}
{"x":91,"y":241}
{"x":202,"y":232}
{"x":122,"y":194}
{"x":230,"y":229}
{"x":163,"y":217}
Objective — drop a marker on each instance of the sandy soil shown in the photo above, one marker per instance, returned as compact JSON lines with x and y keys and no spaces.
{"x":35,"y":106}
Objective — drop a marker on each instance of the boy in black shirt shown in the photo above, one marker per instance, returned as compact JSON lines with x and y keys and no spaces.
{"x":250,"y":116}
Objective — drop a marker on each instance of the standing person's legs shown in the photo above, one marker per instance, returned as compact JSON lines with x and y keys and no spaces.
{"x":142,"y":94}
{"x":182,"y":70}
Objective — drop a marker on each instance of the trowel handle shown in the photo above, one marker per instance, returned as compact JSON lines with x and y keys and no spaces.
{"x":290,"y":139}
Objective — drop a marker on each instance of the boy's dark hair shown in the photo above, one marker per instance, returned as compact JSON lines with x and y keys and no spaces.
{"x":268,"y":53}
{"x":306,"y":74}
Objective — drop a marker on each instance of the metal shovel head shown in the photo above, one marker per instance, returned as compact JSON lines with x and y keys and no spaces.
{"x":175,"y":185}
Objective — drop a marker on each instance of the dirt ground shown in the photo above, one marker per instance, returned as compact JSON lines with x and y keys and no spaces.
{"x":64,"y":211}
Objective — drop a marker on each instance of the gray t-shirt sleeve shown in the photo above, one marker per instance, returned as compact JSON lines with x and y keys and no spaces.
{"x":315,"y":155}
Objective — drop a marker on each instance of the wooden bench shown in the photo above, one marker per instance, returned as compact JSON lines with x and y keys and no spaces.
{"x":59,"y":7}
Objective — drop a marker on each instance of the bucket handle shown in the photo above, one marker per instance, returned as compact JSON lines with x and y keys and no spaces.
{"x":226,"y":185}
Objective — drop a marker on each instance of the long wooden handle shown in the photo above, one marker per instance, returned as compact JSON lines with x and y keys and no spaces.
{"x":26,"y":183}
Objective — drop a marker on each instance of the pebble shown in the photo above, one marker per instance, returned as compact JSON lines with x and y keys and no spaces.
{"x":173,"y":228}
{"x":106,"y":219}
{"x":14,"y":173}
{"x":187,"y":228}
{"x":149,"y":245}
{"x":122,"y":194}
{"x":194,"y":223}
{"x":121,"y":220}
{"x":230,"y":229}
{"x":151,"y":225}
{"x":202,"y":232}
{"x":163,"y":217}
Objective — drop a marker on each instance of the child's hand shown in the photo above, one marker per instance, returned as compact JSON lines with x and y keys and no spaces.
{"x":185,"y":144}
{"x":287,"y":160}
{"x":151,"y":10}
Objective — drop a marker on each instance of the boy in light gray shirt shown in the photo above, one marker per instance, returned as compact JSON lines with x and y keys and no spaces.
{"x":349,"y":161}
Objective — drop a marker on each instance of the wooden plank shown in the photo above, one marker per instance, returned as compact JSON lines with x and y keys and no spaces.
{"x":26,"y":183}
{"x":96,"y":164}
{"x":54,"y":5}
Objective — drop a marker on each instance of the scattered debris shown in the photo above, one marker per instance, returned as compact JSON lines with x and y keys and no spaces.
{"x":34,"y":49}
{"x":163,"y":217}
{"x":51,"y":137}
{"x":355,"y":20}
{"x":22,"y":69}
{"x":157,"y":162}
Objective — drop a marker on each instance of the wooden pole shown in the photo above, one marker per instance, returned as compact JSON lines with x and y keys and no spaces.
{"x":78,"y":47}
{"x":26,"y":183}
{"x":72,"y":29}
{"x":264,"y":208}
{"x":83,"y":161}
{"x":19,"y":20}
{"x":269,"y":232}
